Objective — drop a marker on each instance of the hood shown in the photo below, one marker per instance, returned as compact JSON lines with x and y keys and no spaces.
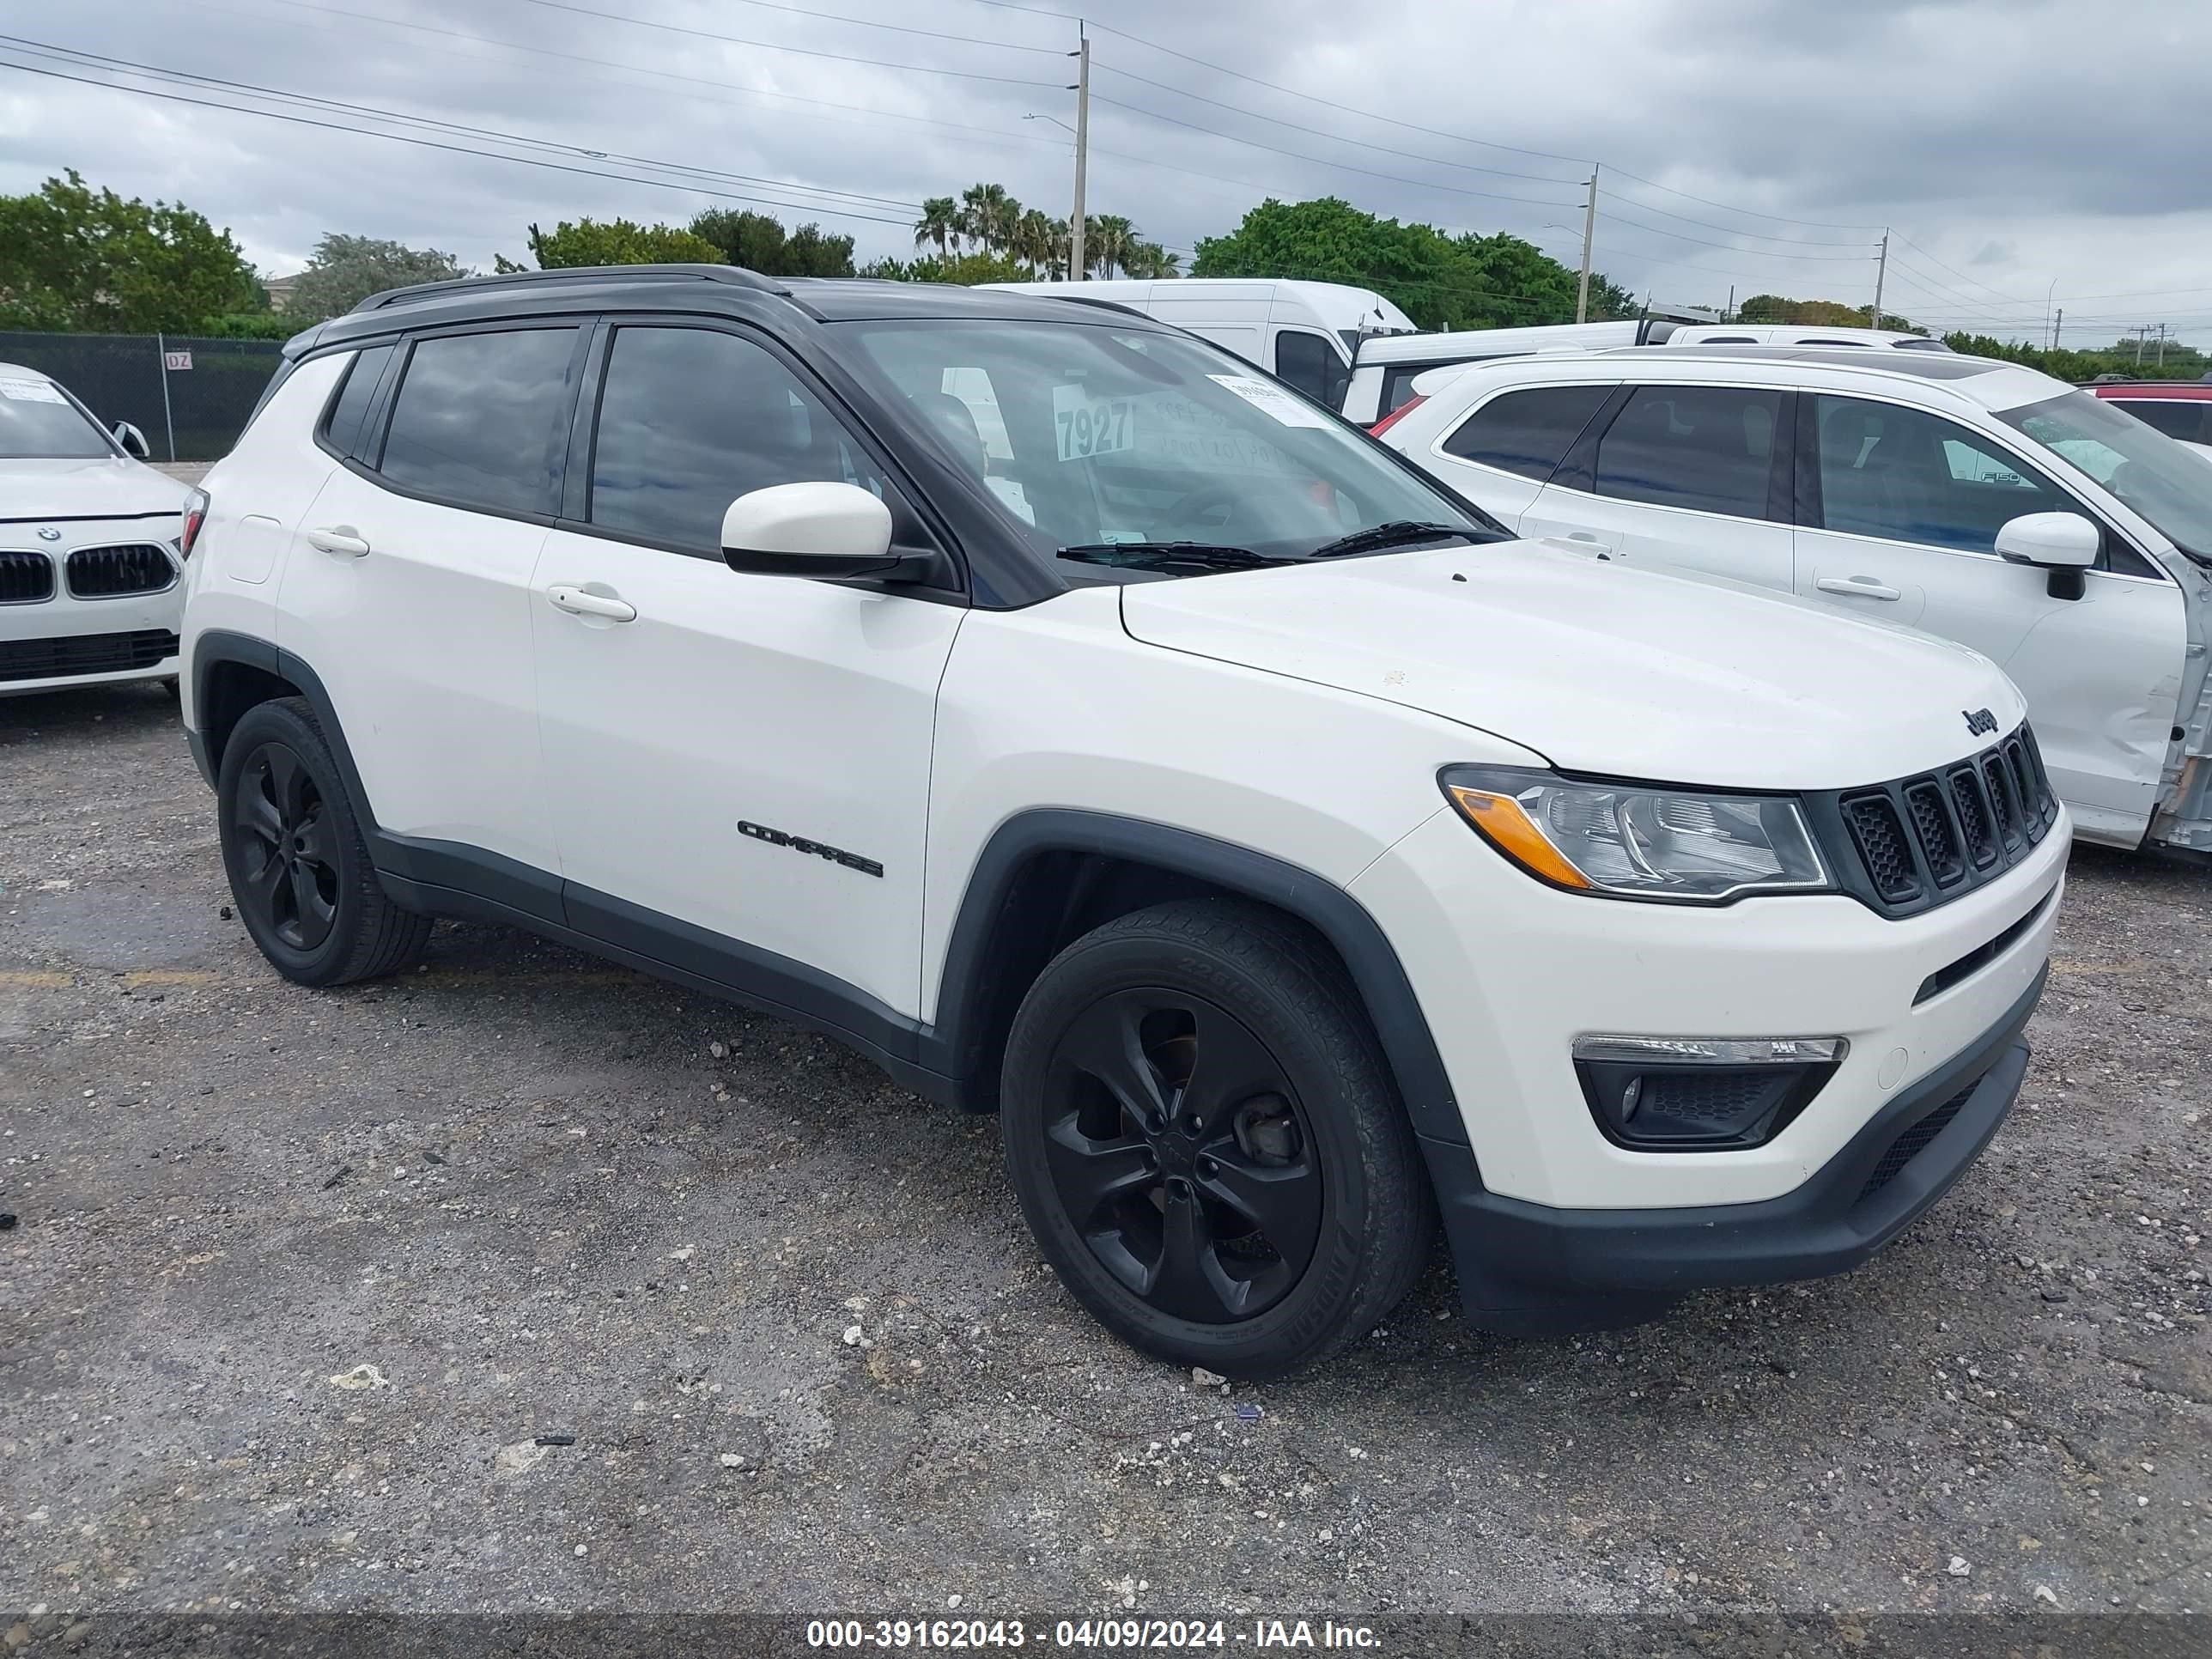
{"x":1598,"y":667}
{"x":109,"y":487}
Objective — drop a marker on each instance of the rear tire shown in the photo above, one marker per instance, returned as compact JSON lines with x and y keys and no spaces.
{"x":1207,"y":1144}
{"x":299,"y":867}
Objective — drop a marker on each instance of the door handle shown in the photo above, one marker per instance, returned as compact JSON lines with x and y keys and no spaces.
{"x":338,"y":538}
{"x":577,"y":602}
{"x":1858,"y":588}
{"x":1584,"y":539}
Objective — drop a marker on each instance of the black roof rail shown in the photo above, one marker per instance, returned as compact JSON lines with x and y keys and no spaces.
{"x":735,"y":275}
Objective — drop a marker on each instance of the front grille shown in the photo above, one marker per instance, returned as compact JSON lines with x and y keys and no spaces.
{"x":1883,"y":844}
{"x":25,"y":577}
{"x":84,"y":653}
{"x":107,"y":573}
{"x":1910,"y":1144}
{"x":1924,"y":839}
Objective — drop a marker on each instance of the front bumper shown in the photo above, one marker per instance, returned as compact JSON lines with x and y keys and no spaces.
{"x":1529,"y":1269}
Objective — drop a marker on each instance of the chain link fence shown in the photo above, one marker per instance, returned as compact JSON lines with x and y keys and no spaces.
{"x":191,"y":396}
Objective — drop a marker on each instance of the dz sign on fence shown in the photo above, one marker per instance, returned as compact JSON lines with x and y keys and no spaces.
{"x":176,"y":359}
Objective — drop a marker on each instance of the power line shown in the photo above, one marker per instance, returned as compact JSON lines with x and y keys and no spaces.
{"x":1725,"y":230}
{"x":1734,"y":247}
{"x":1336,"y":138}
{"x":72,"y":56}
{"x":999,"y":134}
{"x":1317,"y":160}
{"x":831,"y":17}
{"x":427,"y":144}
{"x":803,"y":51}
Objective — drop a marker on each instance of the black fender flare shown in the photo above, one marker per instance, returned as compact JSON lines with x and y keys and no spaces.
{"x":959,"y":1031}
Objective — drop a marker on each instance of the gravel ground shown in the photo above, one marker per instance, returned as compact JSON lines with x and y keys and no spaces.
{"x":524,"y":1283}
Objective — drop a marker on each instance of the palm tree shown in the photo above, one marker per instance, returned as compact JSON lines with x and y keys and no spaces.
{"x":1149,"y":259}
{"x":1110,"y":237}
{"x":987,"y":216}
{"x":939,"y":223}
{"x":1033,"y":241}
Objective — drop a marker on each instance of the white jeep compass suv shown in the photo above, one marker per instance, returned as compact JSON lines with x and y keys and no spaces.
{"x":1088,"y":728}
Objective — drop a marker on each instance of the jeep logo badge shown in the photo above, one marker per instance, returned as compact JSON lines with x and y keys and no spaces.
{"x":1979,"y":720}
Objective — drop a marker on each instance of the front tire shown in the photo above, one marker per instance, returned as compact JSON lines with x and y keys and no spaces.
{"x":1207,"y":1141}
{"x":299,"y":868}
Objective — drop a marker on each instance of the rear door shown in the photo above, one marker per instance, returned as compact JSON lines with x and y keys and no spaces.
{"x":1693,"y":475}
{"x":1501,"y":454}
{"x":1898,"y":511}
{"x":1313,"y":363}
{"x":409,"y":593}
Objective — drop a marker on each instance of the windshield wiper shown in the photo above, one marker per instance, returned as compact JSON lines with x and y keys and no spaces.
{"x":1397,"y":532}
{"x":1146,"y":555}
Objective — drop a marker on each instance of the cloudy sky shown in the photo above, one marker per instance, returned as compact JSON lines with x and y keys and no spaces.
{"x":2022,"y":153}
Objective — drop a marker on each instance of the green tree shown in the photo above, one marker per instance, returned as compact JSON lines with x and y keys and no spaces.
{"x":72,"y":257}
{"x":1108,"y":239}
{"x":1440,"y":281}
{"x":1038,"y":242}
{"x":988,"y":214}
{"x":620,"y":242}
{"x":344,"y":270}
{"x":967,"y":269}
{"x":760,"y":243}
{"x":938,"y":224}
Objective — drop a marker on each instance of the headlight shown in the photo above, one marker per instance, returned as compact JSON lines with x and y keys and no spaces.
{"x":1634,"y":841}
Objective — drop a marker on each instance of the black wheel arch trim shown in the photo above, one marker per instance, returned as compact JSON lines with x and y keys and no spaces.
{"x":965,"y":1017}
{"x":946,"y":1060}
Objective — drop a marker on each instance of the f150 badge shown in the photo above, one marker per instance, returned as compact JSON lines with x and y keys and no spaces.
{"x":800,"y":844}
{"x":1979,"y":720}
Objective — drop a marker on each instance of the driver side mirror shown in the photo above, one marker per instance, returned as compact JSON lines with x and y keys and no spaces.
{"x":132,"y":439}
{"x":2063,"y":544}
{"x":819,"y":530}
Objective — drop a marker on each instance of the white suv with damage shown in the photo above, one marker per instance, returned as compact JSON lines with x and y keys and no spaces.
{"x":1092,"y":731}
{"x":1975,"y":500}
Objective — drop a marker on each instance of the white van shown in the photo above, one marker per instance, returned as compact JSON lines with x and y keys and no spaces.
{"x":1383,"y":378}
{"x":1306,"y":333}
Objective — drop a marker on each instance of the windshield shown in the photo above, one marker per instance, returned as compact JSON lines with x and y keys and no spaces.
{"x":2146,"y":469}
{"x":38,"y":423}
{"x":1091,"y":436}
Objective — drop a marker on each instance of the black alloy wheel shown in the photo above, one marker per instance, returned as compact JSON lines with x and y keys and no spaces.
{"x":288,"y":864}
{"x":1207,"y":1141}
{"x":1178,"y":1149}
{"x":299,"y":866}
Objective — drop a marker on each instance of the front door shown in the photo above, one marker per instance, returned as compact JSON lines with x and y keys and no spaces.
{"x":1899,"y":513}
{"x":739,"y":764}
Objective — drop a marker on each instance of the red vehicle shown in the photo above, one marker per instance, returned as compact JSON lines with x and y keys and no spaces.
{"x":2179,"y":409}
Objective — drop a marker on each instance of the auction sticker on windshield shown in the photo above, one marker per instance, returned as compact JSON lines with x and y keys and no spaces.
{"x":30,"y":392}
{"x":1270,"y":400}
{"x":1092,"y":426}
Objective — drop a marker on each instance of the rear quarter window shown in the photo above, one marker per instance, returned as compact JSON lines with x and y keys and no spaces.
{"x":1528,"y":431}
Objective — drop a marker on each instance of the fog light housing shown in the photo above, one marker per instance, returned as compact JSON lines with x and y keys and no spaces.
{"x":1701,"y":1094}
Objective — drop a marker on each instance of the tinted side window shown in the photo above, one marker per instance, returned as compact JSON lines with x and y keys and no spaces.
{"x":1398,"y":388}
{"x":1706,"y":447}
{"x":2177,"y":417}
{"x":351,"y":407}
{"x":477,"y":418}
{"x":690,"y":419}
{"x":1310,"y":363}
{"x":1528,"y":431}
{"x":1912,"y":476}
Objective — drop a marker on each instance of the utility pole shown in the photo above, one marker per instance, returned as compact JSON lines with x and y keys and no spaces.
{"x":2140,"y":334}
{"x":1880,"y":271}
{"x":2161,"y":345}
{"x":1729,"y":315}
{"x":2057,"y":326}
{"x":1082,"y":91}
{"x":1589,"y":230}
